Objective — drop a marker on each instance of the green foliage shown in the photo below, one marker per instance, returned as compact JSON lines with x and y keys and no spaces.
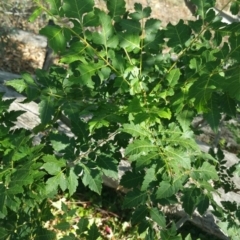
{"x":119,"y":91}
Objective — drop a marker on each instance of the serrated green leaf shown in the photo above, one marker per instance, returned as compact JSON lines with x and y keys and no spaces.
{"x":116,"y":8}
{"x":22,"y":176}
{"x":190,"y":199}
{"x":46,"y":110}
{"x":56,"y":39}
{"x":37,"y":12}
{"x":42,"y":233}
{"x":188,"y":237}
{"x":165,"y":190}
{"x":158,"y":217}
{"x":97,"y":124}
{"x":90,"y":19}
{"x":161,"y":112}
{"x":129,"y":179}
{"x":234,"y":7}
{"x":135,"y":130}
{"x":74,"y":53}
{"x":62,"y":181}
{"x":213,"y":116}
{"x":93,"y":232}
{"x":106,"y":31}
{"x":232,"y":85}
{"x":52,"y":185}
{"x":134,"y":198}
{"x":131,"y":25}
{"x":76,"y":9}
{"x":139,"y":214}
{"x":108,"y":165}
{"x":51,"y":158}
{"x":149,"y":177}
{"x":104,"y":73}
{"x":230,"y":206}
{"x":177,"y":158}
{"x":228,"y":105}
{"x":92,"y":178}
{"x":143,"y":161}
{"x":2,"y":197}
{"x":51,"y":167}
{"x":4,"y":106}
{"x":185,"y":119}
{"x":63,"y":226}
{"x":203,"y":204}
{"x":87,"y":71}
{"x":173,"y":77}
{"x":18,"y":84}
{"x":203,"y":6}
{"x":72,"y":180}
{"x":82,"y":225}
{"x":205,"y":172}
{"x":177,"y":34}
{"x":78,"y":127}
{"x":140,"y":12}
{"x":154,"y":36}
{"x":55,"y":7}
{"x":140,"y":146}
{"x":129,"y":41}
{"x":59,"y":141}
{"x":202,"y":90}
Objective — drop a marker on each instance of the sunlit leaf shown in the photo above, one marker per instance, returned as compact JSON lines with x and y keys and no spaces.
{"x":72,"y":180}
{"x":56,"y":39}
{"x":18,"y":84}
{"x":76,"y":9}
{"x":37,"y":12}
{"x":93,"y":179}
{"x":140,"y":146}
{"x":158,"y":217}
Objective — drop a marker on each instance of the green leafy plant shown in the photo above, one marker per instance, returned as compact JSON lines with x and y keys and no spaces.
{"x":122,"y":96}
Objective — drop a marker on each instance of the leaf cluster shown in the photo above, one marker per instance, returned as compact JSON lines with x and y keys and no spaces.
{"x":121,"y":96}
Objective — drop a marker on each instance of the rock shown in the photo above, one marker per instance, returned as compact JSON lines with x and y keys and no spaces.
{"x":29,"y":38}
